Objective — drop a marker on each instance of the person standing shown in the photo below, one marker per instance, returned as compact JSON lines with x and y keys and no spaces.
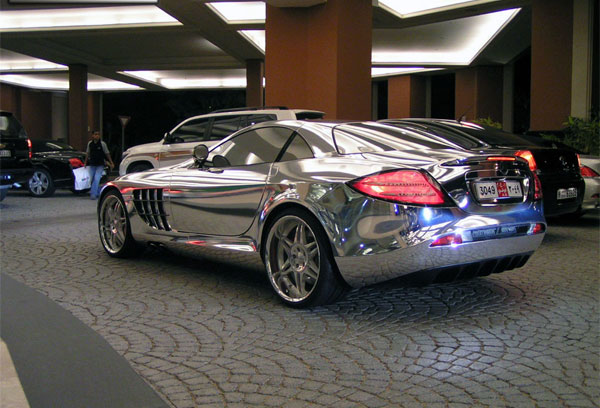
{"x":96,"y":153}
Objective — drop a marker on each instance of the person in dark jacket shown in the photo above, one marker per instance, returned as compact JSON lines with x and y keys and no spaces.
{"x":96,"y":154}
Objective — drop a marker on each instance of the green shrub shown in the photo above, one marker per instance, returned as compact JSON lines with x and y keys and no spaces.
{"x":583,"y":135}
{"x":488,"y":122}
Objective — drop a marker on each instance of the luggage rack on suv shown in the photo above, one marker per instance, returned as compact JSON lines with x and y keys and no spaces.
{"x":251,"y":108}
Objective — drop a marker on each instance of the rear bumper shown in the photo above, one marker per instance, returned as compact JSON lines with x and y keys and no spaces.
{"x":591,"y":199}
{"x":453,"y":262}
{"x":552,"y":205}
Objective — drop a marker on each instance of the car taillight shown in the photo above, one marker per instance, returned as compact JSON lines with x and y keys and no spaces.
{"x":29,"y":147}
{"x":75,"y":162}
{"x":538,"y":187}
{"x":527,"y":155}
{"x":588,"y":172}
{"x":401,"y":186}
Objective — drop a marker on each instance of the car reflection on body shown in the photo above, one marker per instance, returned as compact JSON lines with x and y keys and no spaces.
{"x":330,"y":206}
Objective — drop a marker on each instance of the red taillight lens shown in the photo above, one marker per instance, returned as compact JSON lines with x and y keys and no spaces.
{"x":538,"y":228}
{"x":402,"y":186}
{"x":527,"y":155}
{"x":75,"y":162}
{"x":588,"y":172}
{"x":453,"y":239}
{"x":538,"y":187}
{"x":501,"y":158}
{"x":29,"y":147}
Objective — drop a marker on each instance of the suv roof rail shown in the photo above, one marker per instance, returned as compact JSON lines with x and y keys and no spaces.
{"x":250,"y":108}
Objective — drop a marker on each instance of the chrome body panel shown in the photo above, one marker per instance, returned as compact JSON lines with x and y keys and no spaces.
{"x":211,"y":209}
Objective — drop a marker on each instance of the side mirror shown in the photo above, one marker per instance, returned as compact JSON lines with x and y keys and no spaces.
{"x":166,"y":138}
{"x":200,"y":154}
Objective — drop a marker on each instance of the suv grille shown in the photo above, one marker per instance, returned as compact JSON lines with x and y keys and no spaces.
{"x":149,"y":204}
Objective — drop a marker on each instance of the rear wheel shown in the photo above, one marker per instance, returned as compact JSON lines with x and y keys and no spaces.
{"x":41,"y":184}
{"x":114,"y":227}
{"x":299,"y":261}
{"x":3,"y":193}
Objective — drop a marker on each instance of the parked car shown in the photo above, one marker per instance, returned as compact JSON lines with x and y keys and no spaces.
{"x":557,"y":168}
{"x":54,"y":162}
{"x":177,"y":145}
{"x":15,"y":153}
{"x":330,"y":206}
{"x":590,"y":171}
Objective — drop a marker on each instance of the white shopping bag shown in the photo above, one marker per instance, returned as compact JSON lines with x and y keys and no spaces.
{"x":82,"y":178}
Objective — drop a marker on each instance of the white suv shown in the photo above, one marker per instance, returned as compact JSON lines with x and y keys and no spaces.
{"x":209,"y":129}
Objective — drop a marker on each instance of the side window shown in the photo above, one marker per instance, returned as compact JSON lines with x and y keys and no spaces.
{"x":253,"y":147}
{"x":192,"y":131}
{"x":297,"y":149}
{"x":223,"y":126}
{"x":252,"y":119}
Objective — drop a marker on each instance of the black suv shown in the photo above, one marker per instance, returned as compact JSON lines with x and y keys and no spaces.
{"x":15,"y":153}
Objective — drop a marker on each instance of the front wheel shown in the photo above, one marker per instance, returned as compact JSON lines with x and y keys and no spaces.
{"x":114,"y":227}
{"x":299,"y":261}
{"x":41,"y":184}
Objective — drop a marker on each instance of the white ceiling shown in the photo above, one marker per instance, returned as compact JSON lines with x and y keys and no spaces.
{"x":184,"y":44}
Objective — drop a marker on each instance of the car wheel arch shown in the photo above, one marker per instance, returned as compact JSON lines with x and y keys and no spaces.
{"x":139,"y":163}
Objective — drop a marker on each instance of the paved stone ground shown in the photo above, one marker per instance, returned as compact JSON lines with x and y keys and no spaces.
{"x":208,"y":334}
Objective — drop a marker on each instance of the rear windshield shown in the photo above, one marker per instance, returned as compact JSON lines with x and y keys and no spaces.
{"x":379,"y":137}
{"x":49,"y":146}
{"x":493,"y":137}
{"x":11,"y":128}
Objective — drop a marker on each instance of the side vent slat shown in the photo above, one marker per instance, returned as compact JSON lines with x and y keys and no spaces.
{"x":149,"y":204}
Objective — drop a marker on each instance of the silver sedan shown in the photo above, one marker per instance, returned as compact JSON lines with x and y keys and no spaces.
{"x":330,"y":206}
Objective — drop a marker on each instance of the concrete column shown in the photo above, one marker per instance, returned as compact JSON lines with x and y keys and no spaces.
{"x":320,"y":58}
{"x":406,"y":96}
{"x":78,"y":102}
{"x":551,"y":61}
{"x":581,"y":77}
{"x":508,"y":84}
{"x":255,"y":73}
{"x":478,"y":93}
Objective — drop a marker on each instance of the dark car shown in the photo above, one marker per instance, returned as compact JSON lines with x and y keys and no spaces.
{"x":53,"y":163}
{"x":557,"y":168}
{"x":15,"y":153}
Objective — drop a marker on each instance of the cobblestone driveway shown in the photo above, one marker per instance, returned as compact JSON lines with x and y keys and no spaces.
{"x":207,"y":334}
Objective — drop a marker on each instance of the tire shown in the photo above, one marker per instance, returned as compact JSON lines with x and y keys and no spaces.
{"x":3,"y":193}
{"x":114,"y":227}
{"x":299,"y":261}
{"x":137,"y":167}
{"x":41,"y":183}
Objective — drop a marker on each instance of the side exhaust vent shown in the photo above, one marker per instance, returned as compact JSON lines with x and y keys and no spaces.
{"x":149,"y":204}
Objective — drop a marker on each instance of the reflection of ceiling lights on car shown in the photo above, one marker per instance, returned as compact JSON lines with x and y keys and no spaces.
{"x":98,"y":17}
{"x":405,"y":9}
{"x":240,"y":12}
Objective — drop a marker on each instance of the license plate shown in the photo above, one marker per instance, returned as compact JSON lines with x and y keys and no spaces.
{"x":5,"y":153}
{"x":498,"y":189}
{"x":564,"y":193}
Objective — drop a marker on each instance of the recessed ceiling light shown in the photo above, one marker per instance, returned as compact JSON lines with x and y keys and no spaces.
{"x":475,"y":34}
{"x":193,"y":79}
{"x":240,"y":12}
{"x":61,"y":83}
{"x":256,"y":37}
{"x":391,"y":71}
{"x":406,"y":9}
{"x":81,"y":18}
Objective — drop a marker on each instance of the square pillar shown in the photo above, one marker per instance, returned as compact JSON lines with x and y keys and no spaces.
{"x":320,"y":58}
{"x":478,"y":93}
{"x":255,"y":73}
{"x":78,"y":102}
{"x":406,"y":96}
{"x":551,"y":60}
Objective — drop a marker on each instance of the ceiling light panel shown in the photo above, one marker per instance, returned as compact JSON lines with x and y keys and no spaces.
{"x":81,"y":18}
{"x":456,"y":42}
{"x":406,"y":9}
{"x":233,"y":78}
{"x":240,"y":12}
{"x":377,"y":72}
{"x":60,"y":82}
{"x":256,"y":37}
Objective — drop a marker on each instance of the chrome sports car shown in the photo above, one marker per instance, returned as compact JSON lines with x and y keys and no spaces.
{"x":329,"y":206}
